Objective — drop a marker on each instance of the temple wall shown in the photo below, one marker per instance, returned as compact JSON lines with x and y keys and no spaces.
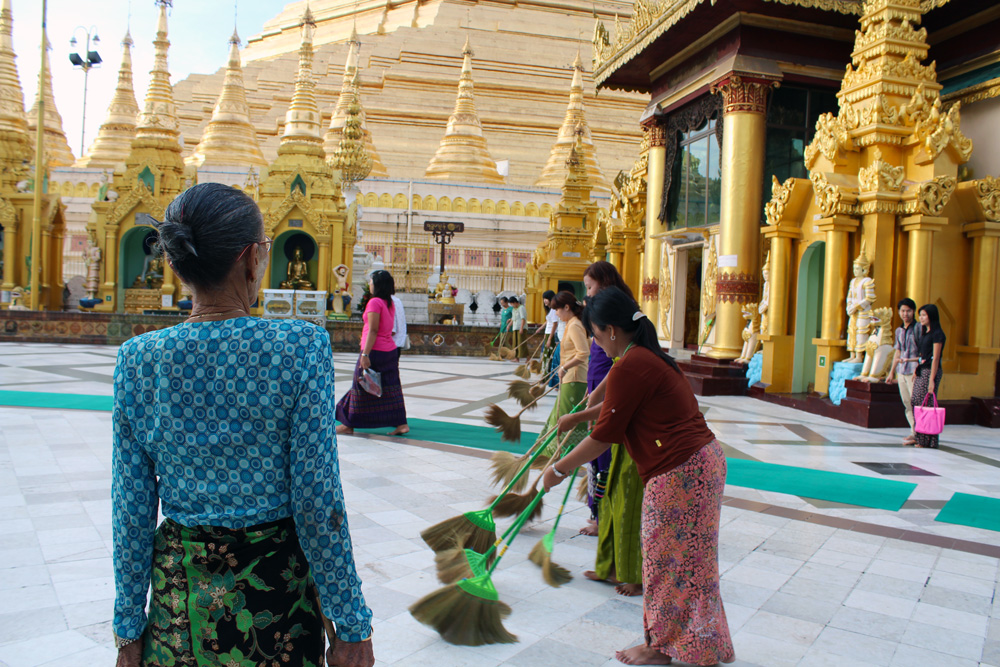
{"x":980,"y":121}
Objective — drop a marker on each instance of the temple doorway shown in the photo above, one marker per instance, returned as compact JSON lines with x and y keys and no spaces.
{"x":137,"y":251}
{"x":692,"y":297}
{"x":808,"y":317}
{"x":574,"y":286}
{"x":283,"y":254}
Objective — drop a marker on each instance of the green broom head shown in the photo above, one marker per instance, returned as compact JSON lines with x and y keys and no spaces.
{"x":504,"y":466}
{"x":457,"y":564}
{"x":469,"y":530}
{"x":520,"y":391}
{"x":541,"y":555}
{"x":466,"y":613}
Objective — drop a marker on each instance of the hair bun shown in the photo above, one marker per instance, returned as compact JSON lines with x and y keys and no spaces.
{"x":638,"y":315}
{"x":176,"y":240}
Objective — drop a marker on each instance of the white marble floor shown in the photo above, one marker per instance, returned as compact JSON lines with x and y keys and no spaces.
{"x":805,"y":582}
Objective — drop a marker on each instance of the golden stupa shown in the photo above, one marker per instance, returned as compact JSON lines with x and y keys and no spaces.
{"x":114,"y":139}
{"x":350,"y":92}
{"x":463,"y":155}
{"x":555,"y":169}
{"x":15,"y":147}
{"x":229,"y":138}
{"x":57,"y":150}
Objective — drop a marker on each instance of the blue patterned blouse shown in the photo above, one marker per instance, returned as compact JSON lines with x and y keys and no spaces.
{"x":230,"y":424}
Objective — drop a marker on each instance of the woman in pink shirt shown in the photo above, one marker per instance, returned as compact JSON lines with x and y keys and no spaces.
{"x":358,"y":408}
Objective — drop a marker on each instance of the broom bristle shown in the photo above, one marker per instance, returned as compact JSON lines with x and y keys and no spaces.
{"x":508,"y":427}
{"x":537,"y":390}
{"x":448,"y":533}
{"x":582,"y":490}
{"x":509,"y":355}
{"x":494,"y":356}
{"x":512,"y":504}
{"x":457,"y":564}
{"x":505,"y":466}
{"x":462,"y":618}
{"x":535,"y":366}
{"x":522,"y":371}
{"x":540,"y":462}
{"x":554,"y":575}
{"x":521,"y":392}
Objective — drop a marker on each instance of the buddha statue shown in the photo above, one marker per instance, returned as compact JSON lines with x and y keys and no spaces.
{"x":860,"y":298}
{"x":152,"y":273}
{"x":765,"y":294}
{"x":298,"y":273}
{"x":444,"y":292}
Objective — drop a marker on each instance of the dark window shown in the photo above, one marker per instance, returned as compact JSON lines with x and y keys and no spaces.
{"x":696,"y":187}
{"x":791,"y":122}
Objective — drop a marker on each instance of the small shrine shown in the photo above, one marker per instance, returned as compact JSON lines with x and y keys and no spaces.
{"x":882,"y":216}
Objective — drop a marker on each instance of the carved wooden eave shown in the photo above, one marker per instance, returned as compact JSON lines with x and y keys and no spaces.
{"x":295,"y":199}
{"x":981,"y":91}
{"x":652,"y":18}
{"x":139,"y":194}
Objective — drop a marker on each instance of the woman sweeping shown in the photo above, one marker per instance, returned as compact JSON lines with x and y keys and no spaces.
{"x":573,"y":358}
{"x":358,"y":408}
{"x":649,"y":406}
{"x":619,"y":553}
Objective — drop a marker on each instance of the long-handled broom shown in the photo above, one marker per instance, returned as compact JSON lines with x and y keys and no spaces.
{"x":498,"y":355}
{"x":512,"y":504}
{"x":469,"y":612}
{"x":525,"y":392}
{"x":541,"y":554}
{"x":524,"y":370}
{"x":475,"y":530}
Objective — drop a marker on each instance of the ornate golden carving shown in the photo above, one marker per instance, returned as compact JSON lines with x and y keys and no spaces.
{"x":933,"y":195}
{"x":831,"y":137}
{"x":988,"y":193}
{"x":666,"y":291}
{"x":780,"y":193}
{"x":139,"y":193}
{"x":880,"y":111}
{"x":711,"y":275}
{"x":743,"y":94}
{"x":881,"y":176}
{"x":828,"y":196}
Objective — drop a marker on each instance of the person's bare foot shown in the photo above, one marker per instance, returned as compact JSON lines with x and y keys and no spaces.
{"x":909,"y":441}
{"x":629,"y":590}
{"x":590,"y":574}
{"x":343,"y":429}
{"x":401,"y":430}
{"x":590,"y":529}
{"x":643,"y":655}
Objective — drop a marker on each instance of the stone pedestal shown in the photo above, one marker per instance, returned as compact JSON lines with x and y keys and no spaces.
{"x":714,"y":377}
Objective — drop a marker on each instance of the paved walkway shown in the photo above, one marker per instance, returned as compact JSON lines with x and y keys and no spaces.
{"x":806,"y":582}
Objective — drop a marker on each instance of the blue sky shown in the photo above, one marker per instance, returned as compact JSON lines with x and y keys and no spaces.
{"x":199,"y":32}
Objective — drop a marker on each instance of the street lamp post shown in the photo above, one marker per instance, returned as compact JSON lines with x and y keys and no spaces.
{"x":85,"y":61}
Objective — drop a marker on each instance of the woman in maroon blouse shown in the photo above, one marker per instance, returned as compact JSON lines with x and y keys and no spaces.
{"x":649,"y":406}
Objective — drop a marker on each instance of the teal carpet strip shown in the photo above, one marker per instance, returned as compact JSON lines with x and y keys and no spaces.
{"x":966,"y":509}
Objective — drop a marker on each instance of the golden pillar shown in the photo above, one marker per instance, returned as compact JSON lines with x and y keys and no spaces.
{"x":921,"y":230}
{"x":743,"y":133}
{"x":779,"y":344}
{"x":9,"y":246}
{"x":655,"y":174}
{"x":169,"y":287}
{"x":46,"y":270}
{"x":323,"y":273}
{"x":985,"y":238}
{"x":830,"y":346}
{"x":632,"y":267}
{"x":110,"y":257}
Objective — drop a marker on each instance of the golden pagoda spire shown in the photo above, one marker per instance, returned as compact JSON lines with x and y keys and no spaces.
{"x":57,"y":150}
{"x":302,"y":118}
{"x":350,"y":91}
{"x":14,"y":142}
{"x":114,"y":139}
{"x":352,"y":158}
{"x":229,"y":138}
{"x":555,"y":169}
{"x":158,"y":118}
{"x":463,"y":155}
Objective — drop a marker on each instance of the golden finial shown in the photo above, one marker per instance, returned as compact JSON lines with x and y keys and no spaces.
{"x":57,"y":150}
{"x":158,"y":118}
{"x":862,"y":258}
{"x":462,"y":154}
{"x":302,"y":117}
{"x":230,"y":137}
{"x":114,"y":139}
{"x":12,"y":117}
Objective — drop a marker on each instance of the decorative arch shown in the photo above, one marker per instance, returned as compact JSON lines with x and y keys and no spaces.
{"x":475,"y":206}
{"x":531,"y":209}
{"x":430,"y":204}
{"x":399,"y":201}
{"x":371,"y":200}
{"x":517,"y":208}
{"x":385,"y":201}
{"x":298,"y":183}
{"x":545,"y":211}
{"x":503,"y":208}
{"x":459,"y":205}
{"x":444,"y":204}
{"x":489,"y":206}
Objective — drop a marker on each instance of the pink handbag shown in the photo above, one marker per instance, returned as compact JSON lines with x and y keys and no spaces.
{"x":929,"y":421}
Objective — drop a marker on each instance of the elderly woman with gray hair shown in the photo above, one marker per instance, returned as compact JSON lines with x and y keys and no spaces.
{"x":226,"y":421}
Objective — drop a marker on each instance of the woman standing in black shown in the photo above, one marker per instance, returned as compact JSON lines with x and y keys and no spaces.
{"x":927,"y":378}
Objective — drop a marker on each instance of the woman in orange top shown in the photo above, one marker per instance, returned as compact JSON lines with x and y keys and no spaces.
{"x":573,"y":358}
{"x":649,"y":406}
